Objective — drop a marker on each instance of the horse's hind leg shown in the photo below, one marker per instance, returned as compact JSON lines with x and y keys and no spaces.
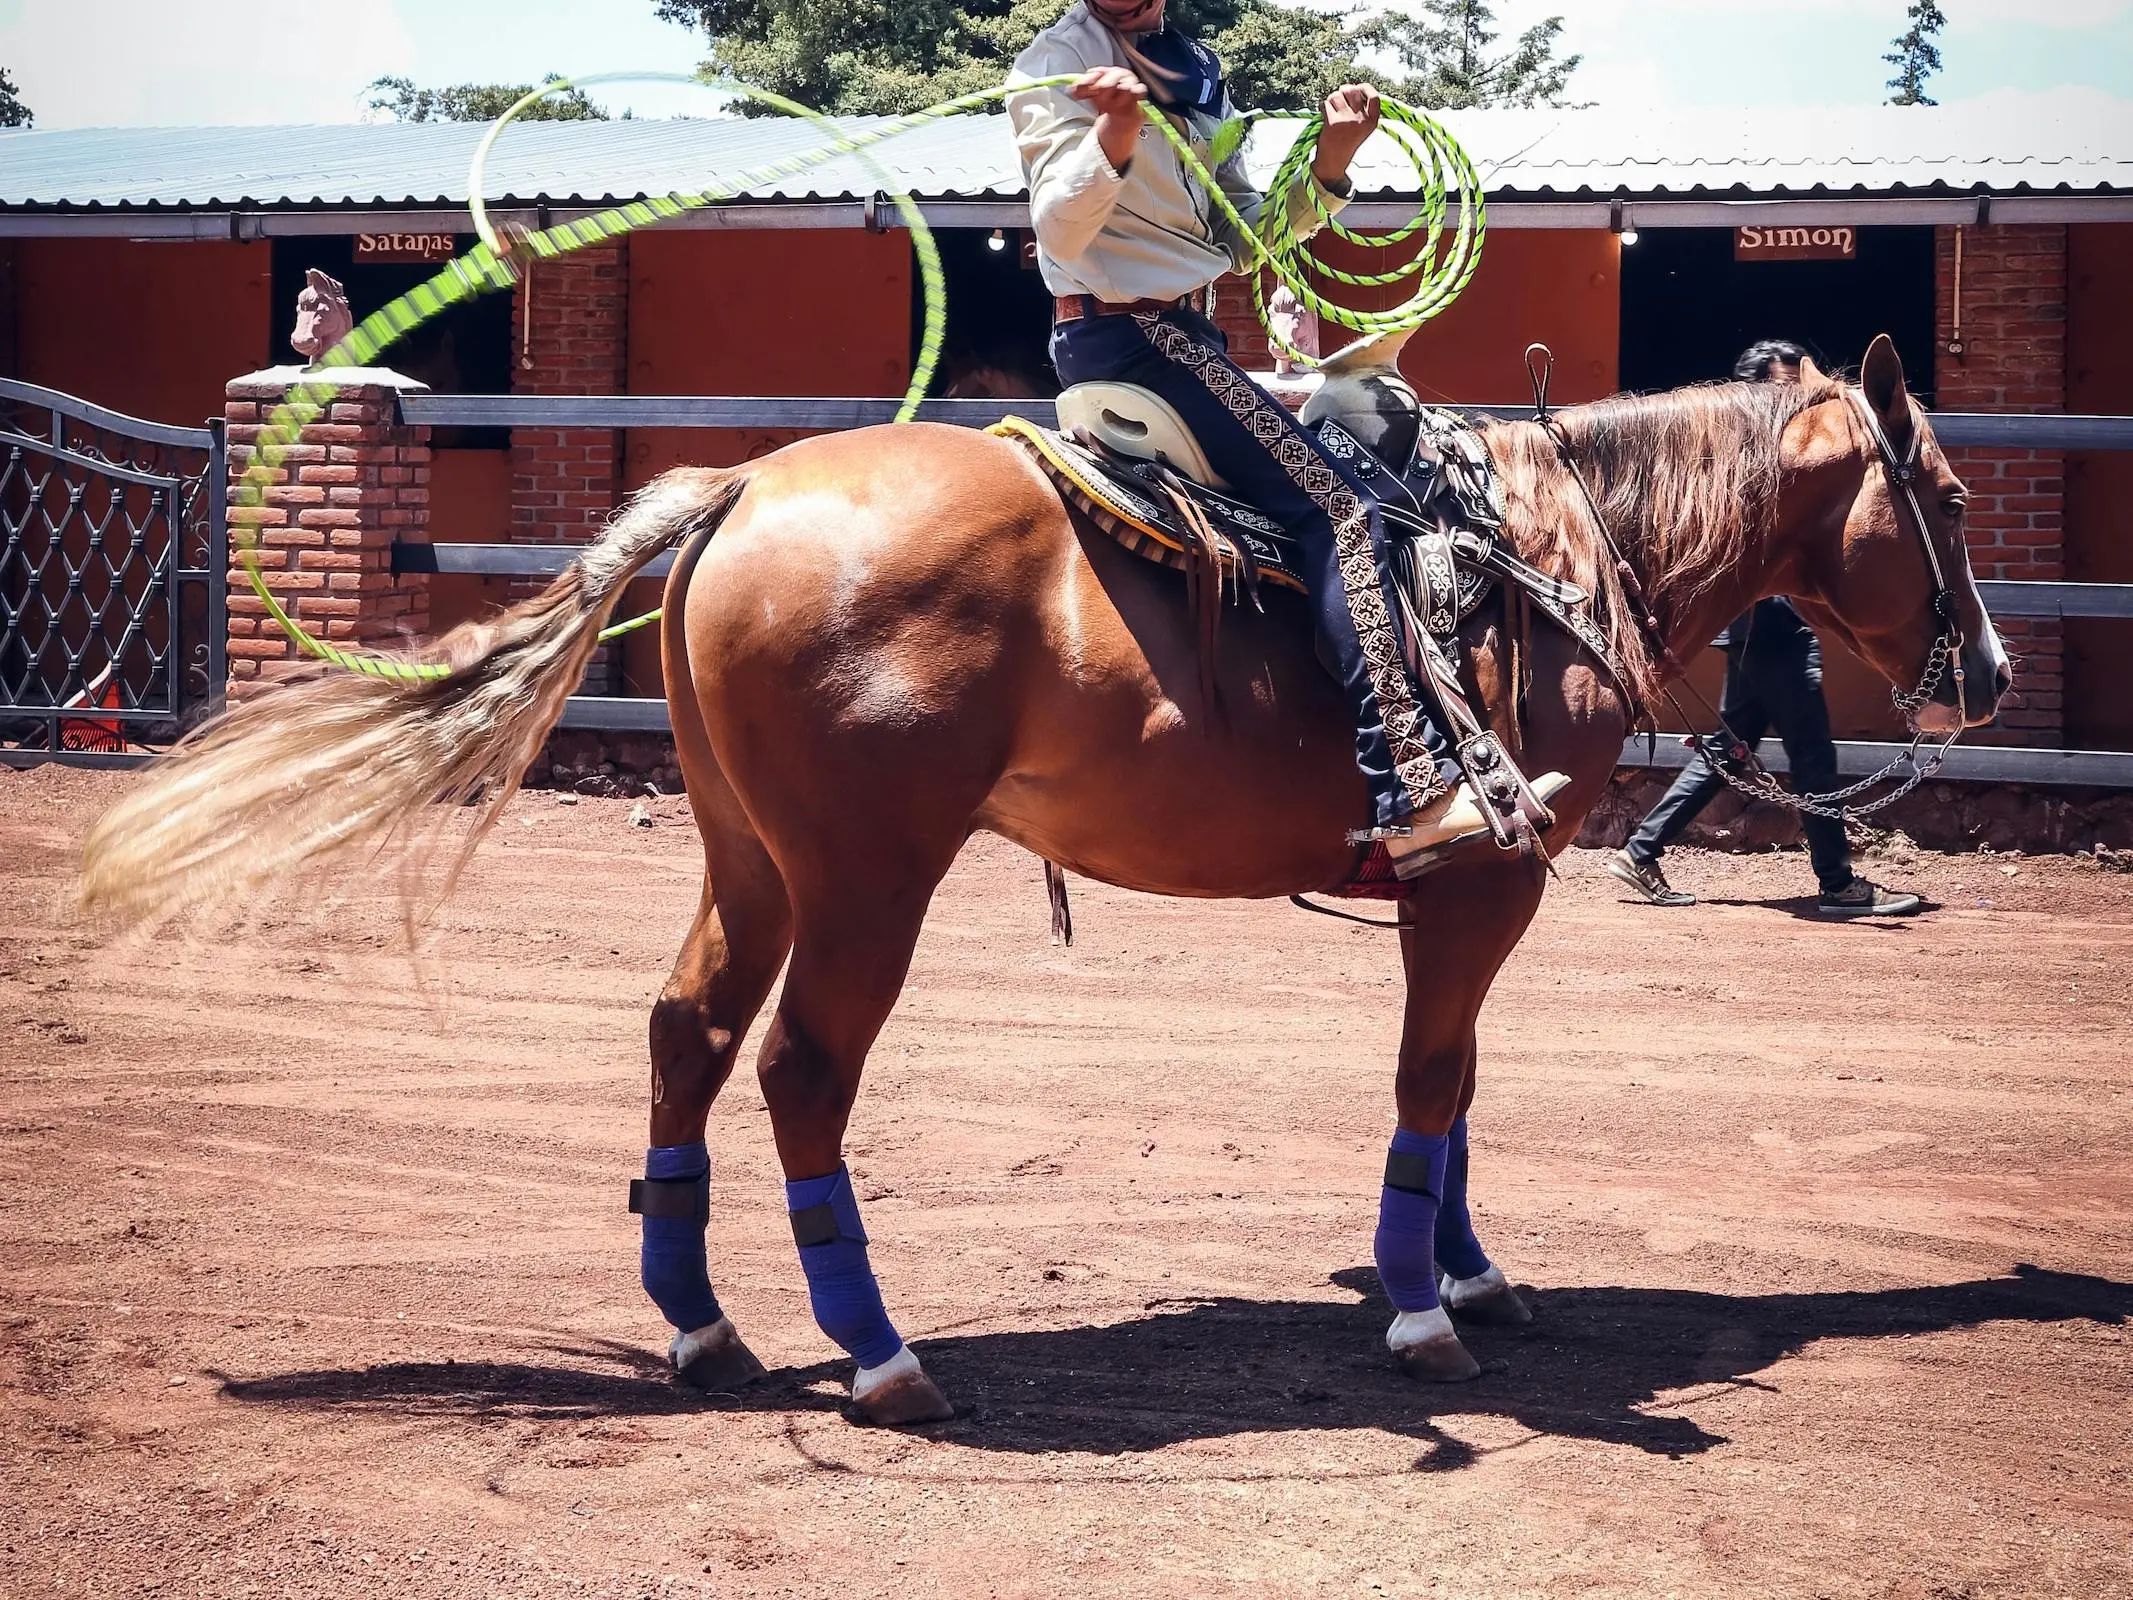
{"x":854,"y":933}
{"x":742,"y":931}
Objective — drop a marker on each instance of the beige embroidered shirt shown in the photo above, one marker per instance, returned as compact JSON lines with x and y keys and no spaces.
{"x":1150,"y":233}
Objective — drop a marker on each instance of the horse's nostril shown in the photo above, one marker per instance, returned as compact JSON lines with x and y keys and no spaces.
{"x":2002,"y":680}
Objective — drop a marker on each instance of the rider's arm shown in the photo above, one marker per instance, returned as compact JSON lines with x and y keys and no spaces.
{"x":1304,"y":203}
{"x":1073,"y":185}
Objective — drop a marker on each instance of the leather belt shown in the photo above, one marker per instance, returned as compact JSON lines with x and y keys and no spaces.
{"x":1074,"y":307}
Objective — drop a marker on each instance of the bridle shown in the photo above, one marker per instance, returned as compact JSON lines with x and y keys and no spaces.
{"x":1728,"y":754}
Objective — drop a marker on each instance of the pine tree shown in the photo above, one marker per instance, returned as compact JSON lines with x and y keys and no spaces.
{"x":1915,"y":56}
{"x":1447,"y":51}
{"x":13,"y":113}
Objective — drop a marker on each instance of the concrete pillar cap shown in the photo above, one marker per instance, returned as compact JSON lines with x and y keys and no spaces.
{"x":279,"y":379}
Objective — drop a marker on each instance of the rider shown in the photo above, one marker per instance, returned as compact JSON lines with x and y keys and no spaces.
{"x":1129,"y":245}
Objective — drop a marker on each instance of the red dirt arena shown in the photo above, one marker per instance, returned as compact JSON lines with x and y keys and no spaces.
{"x":316,"y":1278}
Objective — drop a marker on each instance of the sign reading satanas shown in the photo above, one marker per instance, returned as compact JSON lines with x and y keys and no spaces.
{"x":428,"y":247}
{"x":1795,"y":243}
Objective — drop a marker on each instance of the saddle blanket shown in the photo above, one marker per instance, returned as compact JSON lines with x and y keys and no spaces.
{"x":1128,"y":501}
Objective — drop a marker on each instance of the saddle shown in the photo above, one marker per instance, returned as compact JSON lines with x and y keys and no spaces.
{"x":1125,"y":459}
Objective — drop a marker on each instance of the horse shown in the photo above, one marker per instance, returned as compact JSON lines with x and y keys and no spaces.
{"x":878,"y":642}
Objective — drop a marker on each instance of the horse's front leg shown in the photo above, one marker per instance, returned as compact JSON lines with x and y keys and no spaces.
{"x":1465,"y":921}
{"x":1470,"y":1285}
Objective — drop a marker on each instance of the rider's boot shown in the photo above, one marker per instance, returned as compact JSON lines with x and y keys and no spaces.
{"x":1454,"y":816}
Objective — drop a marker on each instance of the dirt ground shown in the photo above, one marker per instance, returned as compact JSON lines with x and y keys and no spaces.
{"x":315,"y":1276}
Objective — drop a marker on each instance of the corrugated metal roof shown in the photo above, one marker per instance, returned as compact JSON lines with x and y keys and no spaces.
{"x":1535,"y":155}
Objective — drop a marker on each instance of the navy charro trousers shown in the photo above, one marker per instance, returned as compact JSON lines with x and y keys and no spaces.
{"x":1773,"y":681}
{"x":1272,"y":461}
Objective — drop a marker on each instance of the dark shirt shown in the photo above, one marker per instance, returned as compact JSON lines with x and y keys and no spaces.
{"x":1771,"y":624}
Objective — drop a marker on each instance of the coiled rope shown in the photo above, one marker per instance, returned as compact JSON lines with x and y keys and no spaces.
{"x":1441,"y":244}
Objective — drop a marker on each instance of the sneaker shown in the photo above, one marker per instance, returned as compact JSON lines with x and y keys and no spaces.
{"x":1861,"y":898}
{"x":1648,"y":881}
{"x":1456,"y":815}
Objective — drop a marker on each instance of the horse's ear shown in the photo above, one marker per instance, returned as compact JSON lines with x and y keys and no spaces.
{"x":1881,"y":379}
{"x":1811,"y":376}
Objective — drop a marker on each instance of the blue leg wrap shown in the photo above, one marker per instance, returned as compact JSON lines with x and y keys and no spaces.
{"x":1458,"y":1251}
{"x":1407,"y":1219}
{"x":840,"y":1279}
{"x":675,"y":1275}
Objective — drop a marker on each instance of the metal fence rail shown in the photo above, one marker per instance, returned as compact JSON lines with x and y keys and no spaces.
{"x":1993,"y":764}
{"x":2009,"y":431}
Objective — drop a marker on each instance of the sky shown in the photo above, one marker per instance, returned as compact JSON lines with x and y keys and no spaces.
{"x":147,"y":63}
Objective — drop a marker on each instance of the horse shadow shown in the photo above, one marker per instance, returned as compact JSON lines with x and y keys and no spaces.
{"x":1586,"y":1368}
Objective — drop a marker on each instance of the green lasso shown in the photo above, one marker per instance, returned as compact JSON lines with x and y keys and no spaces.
{"x":1444,"y":261}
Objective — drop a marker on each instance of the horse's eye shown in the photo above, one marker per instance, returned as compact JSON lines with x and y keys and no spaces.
{"x":1955,"y":506}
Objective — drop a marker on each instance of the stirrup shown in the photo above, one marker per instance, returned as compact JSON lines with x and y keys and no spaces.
{"x":1424,"y":859}
{"x":1380,"y":835}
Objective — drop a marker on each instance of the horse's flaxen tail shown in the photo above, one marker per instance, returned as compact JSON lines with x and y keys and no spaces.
{"x":343,"y":760}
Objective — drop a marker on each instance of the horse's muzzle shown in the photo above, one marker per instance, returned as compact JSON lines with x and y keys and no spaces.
{"x":1986,"y":680}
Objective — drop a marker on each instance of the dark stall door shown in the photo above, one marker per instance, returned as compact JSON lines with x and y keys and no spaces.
{"x":1689,"y":308}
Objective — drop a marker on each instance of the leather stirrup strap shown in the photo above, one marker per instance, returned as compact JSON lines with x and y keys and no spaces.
{"x":1203,"y":590}
{"x":1515,"y":814}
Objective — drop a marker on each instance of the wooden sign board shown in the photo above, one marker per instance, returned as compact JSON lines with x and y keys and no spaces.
{"x":1796,"y":242}
{"x":406,"y":247}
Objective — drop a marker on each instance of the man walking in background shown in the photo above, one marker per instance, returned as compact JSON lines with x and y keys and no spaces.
{"x":1773,"y":680}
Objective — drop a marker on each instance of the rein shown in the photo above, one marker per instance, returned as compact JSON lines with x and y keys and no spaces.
{"x":1754,"y":780}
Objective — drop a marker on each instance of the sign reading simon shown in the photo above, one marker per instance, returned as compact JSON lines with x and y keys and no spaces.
{"x":425,"y":247}
{"x":1795,"y":244}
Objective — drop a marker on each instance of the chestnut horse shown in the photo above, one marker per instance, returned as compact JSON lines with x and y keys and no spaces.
{"x":900,"y":636}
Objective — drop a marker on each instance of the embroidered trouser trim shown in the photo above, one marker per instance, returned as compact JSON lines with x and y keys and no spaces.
{"x":1362,"y":583}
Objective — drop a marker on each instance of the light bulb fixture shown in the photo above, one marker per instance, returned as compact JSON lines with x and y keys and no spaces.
{"x":1620,"y":223}
{"x":998,"y":241}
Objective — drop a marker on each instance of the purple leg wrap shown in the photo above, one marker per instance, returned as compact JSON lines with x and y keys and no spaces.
{"x":672,"y":1259}
{"x":1407,"y":1219}
{"x":840,"y":1279}
{"x":1458,"y":1251}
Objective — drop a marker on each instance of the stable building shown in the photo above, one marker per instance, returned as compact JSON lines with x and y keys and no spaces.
{"x":142,"y":270}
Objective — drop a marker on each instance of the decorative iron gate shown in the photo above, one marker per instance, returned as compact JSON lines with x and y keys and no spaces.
{"x":114,"y":563}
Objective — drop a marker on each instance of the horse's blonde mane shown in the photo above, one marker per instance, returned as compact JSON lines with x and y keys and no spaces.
{"x":1688,"y":482}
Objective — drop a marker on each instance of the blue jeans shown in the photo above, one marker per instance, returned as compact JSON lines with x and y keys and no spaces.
{"x":1270,"y":460}
{"x":1777,"y":685}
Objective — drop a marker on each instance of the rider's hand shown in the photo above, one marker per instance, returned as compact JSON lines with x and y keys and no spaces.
{"x":1117,"y":96}
{"x":1351,"y":114}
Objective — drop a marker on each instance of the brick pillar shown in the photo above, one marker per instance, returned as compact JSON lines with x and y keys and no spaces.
{"x":572,"y":319}
{"x":358,"y":481}
{"x":2014,"y":359}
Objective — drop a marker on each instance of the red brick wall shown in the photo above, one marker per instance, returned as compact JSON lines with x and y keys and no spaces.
{"x":325,"y":531}
{"x":2014,"y":293}
{"x":564,"y":480}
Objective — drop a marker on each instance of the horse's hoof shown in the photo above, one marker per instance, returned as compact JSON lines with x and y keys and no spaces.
{"x":1486,"y":1298}
{"x":898,"y":1393}
{"x":714,"y":1358}
{"x":1427,"y":1349}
